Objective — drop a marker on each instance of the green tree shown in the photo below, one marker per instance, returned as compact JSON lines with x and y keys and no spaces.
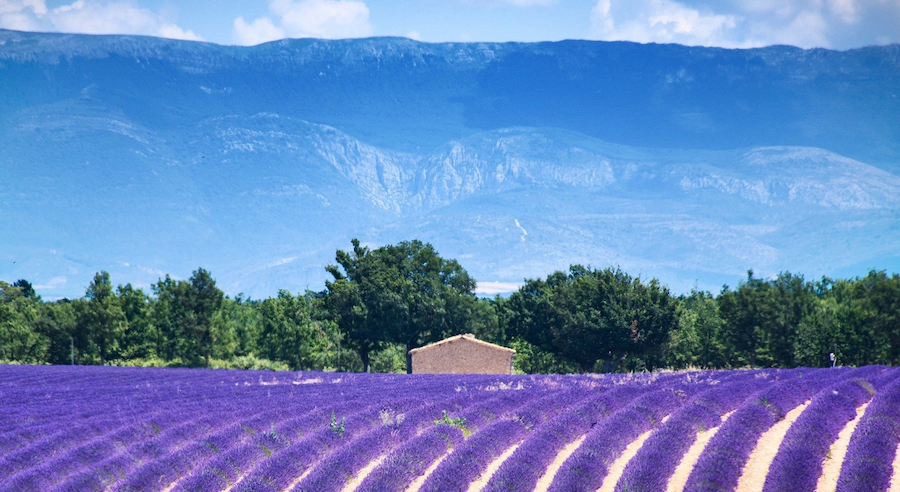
{"x":205,"y":299}
{"x":595,"y":316}
{"x":58,"y":322}
{"x":183,"y":316}
{"x":357,"y":284}
{"x":26,"y":289}
{"x":697,"y":339}
{"x":820,"y":334}
{"x":762,"y":319}
{"x":288,"y":333}
{"x":168,"y":311}
{"x":237,"y":324}
{"x":101,"y":321}
{"x":404,"y":293}
{"x":19,"y":311}
{"x":436,"y":295}
{"x":879,"y":296}
{"x":138,"y":340}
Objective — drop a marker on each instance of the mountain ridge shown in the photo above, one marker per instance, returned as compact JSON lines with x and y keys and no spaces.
{"x":515,"y":158}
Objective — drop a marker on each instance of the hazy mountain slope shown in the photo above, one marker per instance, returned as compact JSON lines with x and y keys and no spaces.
{"x":407,"y":95}
{"x":144,"y":156}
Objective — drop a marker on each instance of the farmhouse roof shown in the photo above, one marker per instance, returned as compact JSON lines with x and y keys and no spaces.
{"x":468,"y":337}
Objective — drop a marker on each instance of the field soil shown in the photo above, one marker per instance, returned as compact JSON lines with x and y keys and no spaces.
{"x":618,"y":466}
{"x":753,"y":477}
{"x":543,"y":484}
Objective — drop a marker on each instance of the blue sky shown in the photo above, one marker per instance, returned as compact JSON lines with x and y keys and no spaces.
{"x":837,"y":24}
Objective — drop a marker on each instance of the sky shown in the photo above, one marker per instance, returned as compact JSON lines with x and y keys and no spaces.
{"x":834,"y":24}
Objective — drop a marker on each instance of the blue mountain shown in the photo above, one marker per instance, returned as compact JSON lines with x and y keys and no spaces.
{"x":146,"y":156}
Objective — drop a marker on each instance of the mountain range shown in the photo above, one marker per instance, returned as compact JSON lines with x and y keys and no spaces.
{"x":144,"y":156}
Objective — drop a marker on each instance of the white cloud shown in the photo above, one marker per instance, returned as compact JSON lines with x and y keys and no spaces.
{"x":414,"y":35}
{"x":259,"y":31}
{"x":491,"y":288}
{"x":530,"y":3}
{"x":744,"y":23}
{"x":12,"y":6}
{"x":329,"y":19}
{"x":659,"y":21}
{"x":89,"y":17}
{"x":53,"y":283}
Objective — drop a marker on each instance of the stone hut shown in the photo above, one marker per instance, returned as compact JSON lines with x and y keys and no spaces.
{"x":462,"y":354}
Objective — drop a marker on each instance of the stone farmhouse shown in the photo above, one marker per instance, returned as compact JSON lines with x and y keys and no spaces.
{"x":462,"y":354}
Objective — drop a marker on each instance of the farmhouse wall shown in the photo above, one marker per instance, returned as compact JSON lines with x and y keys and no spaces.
{"x":462,"y":354}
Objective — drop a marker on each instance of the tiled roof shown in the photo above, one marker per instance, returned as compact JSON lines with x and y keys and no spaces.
{"x":468,"y":337}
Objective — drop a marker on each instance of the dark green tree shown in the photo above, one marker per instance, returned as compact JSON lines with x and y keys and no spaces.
{"x":879,"y":296}
{"x":58,"y":322}
{"x":204,"y":300}
{"x":26,"y":289}
{"x":237,"y":323}
{"x":138,"y":341}
{"x":19,"y":311}
{"x":436,"y":295}
{"x":183,"y":317}
{"x":100,"y":320}
{"x":595,"y":316}
{"x":696,"y":341}
{"x":405,"y":293}
{"x":288,"y":333}
{"x":356,"y":285}
{"x":762,"y":318}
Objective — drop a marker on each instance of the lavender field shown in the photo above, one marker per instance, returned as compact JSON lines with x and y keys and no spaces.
{"x":140,"y":429}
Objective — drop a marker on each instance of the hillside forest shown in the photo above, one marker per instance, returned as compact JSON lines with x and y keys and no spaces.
{"x":379,"y":303}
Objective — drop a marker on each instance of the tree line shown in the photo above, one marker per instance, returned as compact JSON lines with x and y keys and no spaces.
{"x":380,"y":303}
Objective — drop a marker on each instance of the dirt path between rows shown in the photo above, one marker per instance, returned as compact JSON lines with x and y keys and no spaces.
{"x":417,"y":483}
{"x":618,"y":467}
{"x":831,"y":469}
{"x":680,"y":476}
{"x":362,"y":474}
{"x":895,"y":478}
{"x":753,"y":477}
{"x":482,"y":481}
{"x":543,"y":483}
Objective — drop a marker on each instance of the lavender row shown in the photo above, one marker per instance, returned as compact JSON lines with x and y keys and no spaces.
{"x":528,"y":463}
{"x":108,"y":472}
{"x":229,"y":440}
{"x":798,"y":464}
{"x":410,"y":460}
{"x":470,"y":459}
{"x":467,"y":461}
{"x":868,"y":464}
{"x":57,"y":436}
{"x":232,"y":458}
{"x":64,"y":437}
{"x":723,"y":459}
{"x":254,"y":476}
{"x":488,"y":411}
{"x":51,"y":470}
{"x":230,"y":467}
{"x":589,"y":465}
{"x":67,"y":429}
{"x":167,"y":464}
{"x":283,"y":467}
{"x":44,"y":450}
{"x":332,"y":473}
{"x":657,"y":459}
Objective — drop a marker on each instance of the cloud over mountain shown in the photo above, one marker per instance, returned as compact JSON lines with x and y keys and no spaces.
{"x":327,"y":19}
{"x":89,"y":16}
